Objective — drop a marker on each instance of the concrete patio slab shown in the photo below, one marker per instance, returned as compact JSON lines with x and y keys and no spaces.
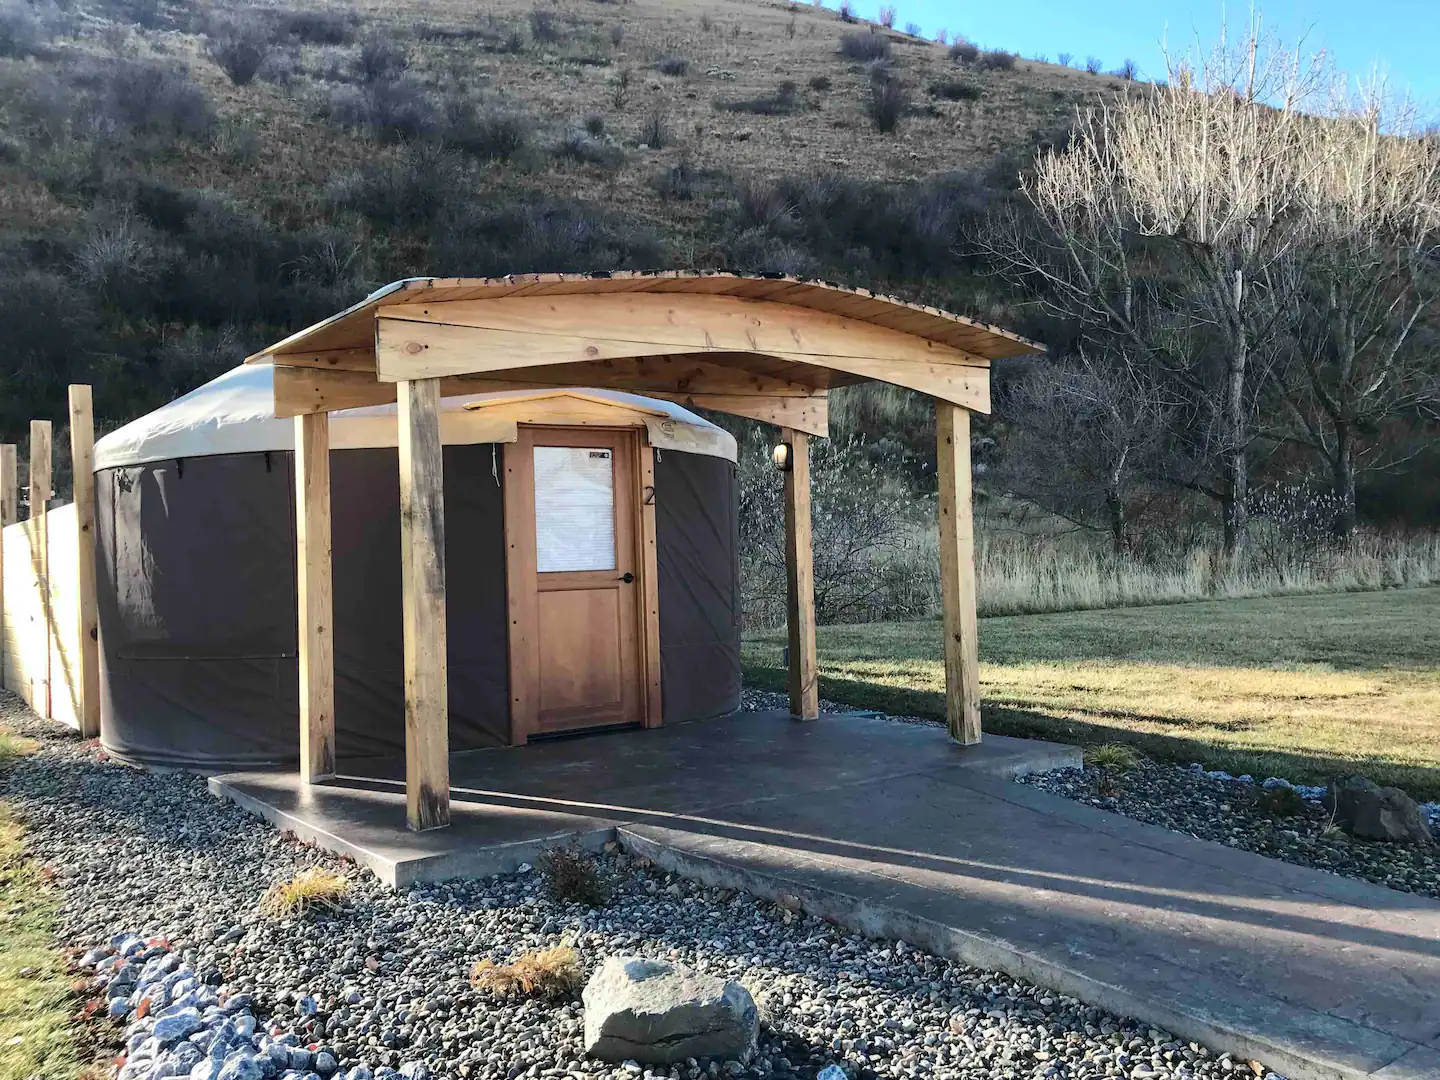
{"x":893,"y":831}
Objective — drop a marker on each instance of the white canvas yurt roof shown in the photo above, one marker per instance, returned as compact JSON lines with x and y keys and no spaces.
{"x":235,"y":414}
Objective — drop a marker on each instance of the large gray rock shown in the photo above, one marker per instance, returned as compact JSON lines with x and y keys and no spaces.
{"x":658,"y":1013}
{"x":1363,"y":808}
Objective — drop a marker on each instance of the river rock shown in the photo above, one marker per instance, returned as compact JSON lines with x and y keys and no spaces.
{"x":1363,"y":808}
{"x":656,"y":1012}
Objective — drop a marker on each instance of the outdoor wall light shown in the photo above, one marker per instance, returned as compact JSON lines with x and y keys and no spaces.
{"x":781,"y":457}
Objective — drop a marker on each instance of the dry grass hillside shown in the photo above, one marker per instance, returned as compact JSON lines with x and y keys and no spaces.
{"x":181,"y":182}
{"x":710,"y":71}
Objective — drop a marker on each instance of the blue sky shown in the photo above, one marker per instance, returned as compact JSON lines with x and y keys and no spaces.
{"x":1402,"y":36}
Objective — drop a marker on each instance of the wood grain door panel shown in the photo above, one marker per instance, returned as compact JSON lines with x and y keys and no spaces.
{"x":575,"y":635}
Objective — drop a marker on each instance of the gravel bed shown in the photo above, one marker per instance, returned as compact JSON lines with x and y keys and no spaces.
{"x":1190,"y":801}
{"x":382,"y":984}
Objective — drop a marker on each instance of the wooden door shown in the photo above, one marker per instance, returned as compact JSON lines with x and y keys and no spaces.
{"x":571,"y":507}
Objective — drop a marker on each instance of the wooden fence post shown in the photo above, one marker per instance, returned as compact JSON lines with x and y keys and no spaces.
{"x":9,"y":508}
{"x":40,"y":480}
{"x":82,"y":459}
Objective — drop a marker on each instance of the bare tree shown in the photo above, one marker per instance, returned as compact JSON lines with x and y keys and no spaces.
{"x":1089,"y":434}
{"x":1370,"y":270}
{"x":1211,"y":167}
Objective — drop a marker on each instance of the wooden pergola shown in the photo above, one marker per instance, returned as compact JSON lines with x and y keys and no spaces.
{"x":767,"y":348}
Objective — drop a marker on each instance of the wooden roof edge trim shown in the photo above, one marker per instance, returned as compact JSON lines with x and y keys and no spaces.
{"x":268,"y":353}
{"x":397,"y":293}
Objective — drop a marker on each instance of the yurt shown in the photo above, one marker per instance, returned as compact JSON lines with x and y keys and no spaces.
{"x":196,"y":550}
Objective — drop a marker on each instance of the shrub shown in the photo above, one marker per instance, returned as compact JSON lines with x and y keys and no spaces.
{"x":1112,"y":756}
{"x":305,"y":892}
{"x":1129,"y":71}
{"x":25,"y":27}
{"x":318,"y":27}
{"x":617,"y":34}
{"x":549,"y":973}
{"x":784,"y":100}
{"x":675,"y":182}
{"x":864,"y":47}
{"x":1093,"y":65}
{"x":595,"y":124}
{"x":963,"y":52}
{"x":380,"y":60}
{"x":544,"y":26}
{"x":1064,"y":58}
{"x":1280,"y":801}
{"x":391,"y":109}
{"x":620,"y":88}
{"x":912,"y":29}
{"x":488,"y":134}
{"x":240,"y":51}
{"x":654,"y":132}
{"x":887,"y":16}
{"x":820,"y":83}
{"x":157,"y":98}
{"x":577,"y":144}
{"x":889,"y":101}
{"x":672,"y":65}
{"x":420,"y":186}
{"x":846,"y":11}
{"x":955,"y":90}
{"x":281,"y":67}
{"x":528,"y":234}
{"x":996,"y":60}
{"x":571,"y":876}
{"x":869,"y":561}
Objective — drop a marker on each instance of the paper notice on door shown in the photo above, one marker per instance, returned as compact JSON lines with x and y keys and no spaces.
{"x":574,"y":509}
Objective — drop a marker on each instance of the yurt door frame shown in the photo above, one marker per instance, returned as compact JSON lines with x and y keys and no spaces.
{"x":579,"y":540}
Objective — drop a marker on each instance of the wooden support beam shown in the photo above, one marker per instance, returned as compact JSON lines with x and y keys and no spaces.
{"x":808,"y":414}
{"x":685,"y":321}
{"x":418,"y":350}
{"x":315,"y":598}
{"x":649,"y":566}
{"x":9,"y":506}
{"x":422,"y":555}
{"x":800,"y":581}
{"x":957,"y":574}
{"x":82,"y":462}
{"x":40,"y":490}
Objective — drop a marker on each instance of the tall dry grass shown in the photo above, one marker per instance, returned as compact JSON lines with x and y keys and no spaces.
{"x":1020,"y":573}
{"x":1032,"y":574}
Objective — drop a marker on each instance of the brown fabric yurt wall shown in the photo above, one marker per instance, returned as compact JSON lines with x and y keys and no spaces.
{"x":196,"y":581}
{"x":697,"y":537}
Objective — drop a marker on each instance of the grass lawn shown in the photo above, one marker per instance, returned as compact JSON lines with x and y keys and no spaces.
{"x":37,"y":1034}
{"x":1303,"y":687}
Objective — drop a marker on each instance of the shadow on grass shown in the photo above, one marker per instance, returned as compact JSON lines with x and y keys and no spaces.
{"x":1420,"y":782}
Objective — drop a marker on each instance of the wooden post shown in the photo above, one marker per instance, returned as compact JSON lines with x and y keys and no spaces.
{"x":422,"y":573}
{"x":82,"y":460}
{"x":957,"y":574}
{"x":315,"y":604}
{"x":9,"y":508}
{"x":800,"y":581}
{"x":40,"y":479}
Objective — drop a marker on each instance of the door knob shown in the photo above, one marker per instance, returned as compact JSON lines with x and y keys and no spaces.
{"x":627,"y":578}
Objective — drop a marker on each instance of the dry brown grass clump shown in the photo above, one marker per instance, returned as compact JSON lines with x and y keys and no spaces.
{"x":306,"y":891}
{"x":571,"y":876}
{"x":549,"y":973}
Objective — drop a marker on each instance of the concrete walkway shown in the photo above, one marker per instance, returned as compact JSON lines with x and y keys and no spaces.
{"x":889,"y":830}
